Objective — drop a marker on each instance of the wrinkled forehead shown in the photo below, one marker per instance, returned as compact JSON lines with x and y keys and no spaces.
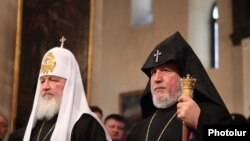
{"x":51,"y":76}
{"x":171,"y":65}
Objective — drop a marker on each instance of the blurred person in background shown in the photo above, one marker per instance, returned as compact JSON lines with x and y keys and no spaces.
{"x":3,"y":126}
{"x":97,"y":110}
{"x":116,"y":126}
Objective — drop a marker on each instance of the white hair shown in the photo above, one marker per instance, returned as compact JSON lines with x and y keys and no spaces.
{"x":47,"y":108}
{"x":168,"y":99}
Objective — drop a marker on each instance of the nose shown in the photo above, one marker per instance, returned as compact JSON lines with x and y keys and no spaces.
{"x":45,"y":85}
{"x":158,"y":76}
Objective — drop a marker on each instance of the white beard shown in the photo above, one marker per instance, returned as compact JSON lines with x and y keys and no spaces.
{"x":47,"y":108}
{"x":168,"y":99}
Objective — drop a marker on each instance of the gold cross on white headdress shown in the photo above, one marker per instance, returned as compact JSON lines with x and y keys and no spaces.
{"x":62,"y":40}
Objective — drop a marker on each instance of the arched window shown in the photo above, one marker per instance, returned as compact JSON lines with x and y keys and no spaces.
{"x":214,"y":36}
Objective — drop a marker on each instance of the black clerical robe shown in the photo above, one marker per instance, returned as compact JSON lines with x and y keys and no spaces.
{"x":87,"y":128}
{"x":172,"y":131}
{"x":43,"y":129}
{"x":211,"y":113}
{"x":17,"y":135}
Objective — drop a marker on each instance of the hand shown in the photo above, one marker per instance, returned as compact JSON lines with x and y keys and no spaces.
{"x":188,"y":111}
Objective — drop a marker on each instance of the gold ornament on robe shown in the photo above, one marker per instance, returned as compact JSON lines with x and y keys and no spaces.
{"x":48,"y":63}
{"x":187,"y":85}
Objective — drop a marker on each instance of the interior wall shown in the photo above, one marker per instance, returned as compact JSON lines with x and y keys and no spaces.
{"x":199,"y":28}
{"x":8,"y":15}
{"x":120,"y":50}
{"x":199,"y":39}
{"x":223,"y":77}
{"x":246,"y":76}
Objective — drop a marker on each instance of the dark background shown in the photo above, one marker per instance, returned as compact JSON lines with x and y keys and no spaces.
{"x":241,"y":20}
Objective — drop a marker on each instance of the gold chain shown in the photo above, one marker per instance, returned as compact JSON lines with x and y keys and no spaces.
{"x":50,"y":130}
{"x":162,"y":129}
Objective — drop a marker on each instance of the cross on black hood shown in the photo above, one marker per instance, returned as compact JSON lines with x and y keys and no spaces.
{"x":177,"y":50}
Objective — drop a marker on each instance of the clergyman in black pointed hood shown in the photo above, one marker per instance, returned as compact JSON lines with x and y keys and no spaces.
{"x":163,"y":107}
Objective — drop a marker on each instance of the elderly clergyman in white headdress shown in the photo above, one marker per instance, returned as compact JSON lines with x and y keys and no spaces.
{"x":60,"y":110}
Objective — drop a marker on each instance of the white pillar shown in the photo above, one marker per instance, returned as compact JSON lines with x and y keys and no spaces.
{"x":246,"y":76}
